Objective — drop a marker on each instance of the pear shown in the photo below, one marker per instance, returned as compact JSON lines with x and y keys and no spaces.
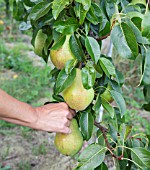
{"x":69,"y":144}
{"x":76,"y":96}
{"x":39,"y":42}
{"x":61,"y":56}
{"x":106,"y":95}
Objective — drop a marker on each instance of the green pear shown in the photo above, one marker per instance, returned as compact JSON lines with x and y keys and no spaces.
{"x":39,"y":42}
{"x":61,"y":56}
{"x":69,"y":144}
{"x":106,"y":95}
{"x":76,"y":96}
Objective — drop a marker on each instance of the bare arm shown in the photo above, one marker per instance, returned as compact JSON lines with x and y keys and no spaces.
{"x":54,"y":117}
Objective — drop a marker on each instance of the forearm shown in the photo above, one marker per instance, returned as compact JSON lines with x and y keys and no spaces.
{"x":54,"y":117}
{"x":16,"y":111}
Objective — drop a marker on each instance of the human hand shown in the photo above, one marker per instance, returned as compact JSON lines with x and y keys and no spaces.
{"x":54,"y":117}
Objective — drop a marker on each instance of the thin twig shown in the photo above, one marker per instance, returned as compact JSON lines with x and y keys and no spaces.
{"x":104,"y":131}
{"x":98,"y":38}
{"x":103,"y":37}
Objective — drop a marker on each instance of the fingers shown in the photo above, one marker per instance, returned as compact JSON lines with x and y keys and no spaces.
{"x":73,"y":112}
{"x":66,"y":130}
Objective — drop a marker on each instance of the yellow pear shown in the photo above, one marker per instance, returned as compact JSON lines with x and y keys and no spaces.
{"x":69,"y":144}
{"x":106,"y":95}
{"x":39,"y":42}
{"x":61,"y":56}
{"x":76,"y":96}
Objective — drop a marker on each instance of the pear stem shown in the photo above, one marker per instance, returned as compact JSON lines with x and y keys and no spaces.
{"x":104,"y":131}
{"x":80,"y":65}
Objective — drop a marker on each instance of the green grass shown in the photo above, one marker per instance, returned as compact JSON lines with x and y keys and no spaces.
{"x":40,"y":150}
{"x":29,"y":83}
{"x":24,"y":165}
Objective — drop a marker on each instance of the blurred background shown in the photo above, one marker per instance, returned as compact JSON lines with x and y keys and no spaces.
{"x":25,"y":76}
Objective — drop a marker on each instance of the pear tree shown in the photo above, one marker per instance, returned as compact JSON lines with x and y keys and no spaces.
{"x":70,"y":34}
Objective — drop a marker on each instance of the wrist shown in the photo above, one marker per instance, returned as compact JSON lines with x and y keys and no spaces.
{"x":33,"y":118}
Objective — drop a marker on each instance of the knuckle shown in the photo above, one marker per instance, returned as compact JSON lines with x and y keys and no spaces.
{"x":65,"y":120}
{"x":67,"y":113}
{"x":62,"y":126}
{"x":63,"y":104}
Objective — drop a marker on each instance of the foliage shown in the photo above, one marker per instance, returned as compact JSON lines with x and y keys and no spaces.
{"x":89,"y":22}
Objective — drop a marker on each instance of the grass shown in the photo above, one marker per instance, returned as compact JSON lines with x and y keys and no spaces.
{"x":40,"y":150}
{"x":28,"y":83}
{"x":24,"y":165}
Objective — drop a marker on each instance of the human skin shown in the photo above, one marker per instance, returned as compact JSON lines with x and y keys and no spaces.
{"x":53,"y":117}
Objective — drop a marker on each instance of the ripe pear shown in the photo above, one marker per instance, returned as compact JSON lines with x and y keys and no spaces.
{"x":76,"y":96}
{"x":39,"y":42}
{"x":106,"y":95}
{"x":61,"y":56}
{"x":69,"y":144}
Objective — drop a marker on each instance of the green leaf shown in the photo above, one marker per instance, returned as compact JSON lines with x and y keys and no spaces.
{"x":58,"y":98}
{"x":70,"y":65}
{"x":102,"y":167}
{"x":57,"y":45}
{"x":92,"y":157}
{"x":39,"y":10}
{"x":80,"y":12}
{"x":76,"y":48}
{"x":115,"y":86}
{"x":47,"y":44}
{"x":124,"y":131}
{"x":139,"y":2}
{"x":113,"y":132}
{"x":145,"y":79}
{"x":138,"y":35}
{"x":58,"y":6}
{"x":86,"y":124}
{"x":86,"y":4}
{"x":19,"y":11}
{"x":28,"y":3}
{"x":120,"y":101}
{"x":100,"y":138}
{"x":91,"y":16}
{"x":93,"y":48}
{"x":99,"y":71}
{"x":97,"y":104}
{"x":25,"y":26}
{"x":146,"y":25}
{"x":146,"y":92}
{"x":124,"y":41}
{"x":119,"y":77}
{"x":111,"y":9}
{"x":88,"y":77}
{"x":64,"y":80}
{"x":107,"y":66}
{"x":66,"y":27}
{"x":108,"y":108}
{"x":120,"y":120}
{"x":141,"y":156}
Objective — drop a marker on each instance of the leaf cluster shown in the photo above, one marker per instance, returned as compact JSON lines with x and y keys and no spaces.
{"x":89,"y":22}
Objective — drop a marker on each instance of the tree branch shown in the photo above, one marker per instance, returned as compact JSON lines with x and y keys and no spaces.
{"x":99,"y":38}
{"x":103,"y":37}
{"x":104,"y":131}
